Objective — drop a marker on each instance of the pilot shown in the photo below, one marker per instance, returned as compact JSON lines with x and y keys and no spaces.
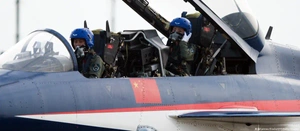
{"x":181,"y":52}
{"x":90,"y":64}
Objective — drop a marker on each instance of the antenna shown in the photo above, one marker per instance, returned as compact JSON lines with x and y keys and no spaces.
{"x":85,"y":24}
{"x":108,"y":35}
{"x":268,"y":36}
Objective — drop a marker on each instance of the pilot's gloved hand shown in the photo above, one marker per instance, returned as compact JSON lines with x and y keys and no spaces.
{"x":186,"y":37}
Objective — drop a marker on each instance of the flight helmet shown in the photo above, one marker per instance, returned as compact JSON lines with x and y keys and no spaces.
{"x":183,"y":23}
{"x":83,"y":33}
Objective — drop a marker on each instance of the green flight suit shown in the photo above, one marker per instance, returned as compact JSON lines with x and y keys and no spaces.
{"x":181,"y":54}
{"x":92,"y":65}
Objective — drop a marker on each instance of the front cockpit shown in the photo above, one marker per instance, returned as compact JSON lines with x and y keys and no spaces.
{"x":41,"y":51}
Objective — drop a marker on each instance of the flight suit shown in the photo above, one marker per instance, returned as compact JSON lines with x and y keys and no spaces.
{"x":180,"y":56}
{"x":91,"y":66}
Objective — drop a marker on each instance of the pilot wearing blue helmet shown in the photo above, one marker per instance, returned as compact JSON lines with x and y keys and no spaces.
{"x":90,"y":64}
{"x":181,"y":51}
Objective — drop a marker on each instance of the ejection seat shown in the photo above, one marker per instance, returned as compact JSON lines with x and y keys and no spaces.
{"x":99,"y":42}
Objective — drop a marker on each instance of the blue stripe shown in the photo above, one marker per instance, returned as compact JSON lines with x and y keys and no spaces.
{"x":257,"y":42}
{"x":238,"y":114}
{"x":23,"y":124}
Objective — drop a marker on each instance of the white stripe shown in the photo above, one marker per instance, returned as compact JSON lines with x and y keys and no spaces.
{"x":120,"y":120}
{"x":159,"y":120}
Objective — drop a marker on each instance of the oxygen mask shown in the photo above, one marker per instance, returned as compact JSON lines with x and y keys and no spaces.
{"x":175,"y":36}
{"x":79,"y":51}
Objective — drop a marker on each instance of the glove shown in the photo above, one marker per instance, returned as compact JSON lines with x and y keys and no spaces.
{"x":186,"y":37}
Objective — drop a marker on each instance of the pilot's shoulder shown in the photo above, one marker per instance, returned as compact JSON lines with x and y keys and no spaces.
{"x":96,"y":58}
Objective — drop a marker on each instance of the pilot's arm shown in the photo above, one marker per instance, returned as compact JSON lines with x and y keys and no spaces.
{"x":187,"y":50}
{"x":96,"y":67}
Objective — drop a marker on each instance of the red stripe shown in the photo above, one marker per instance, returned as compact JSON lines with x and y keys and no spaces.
{"x":145,"y":90}
{"x":272,"y":106}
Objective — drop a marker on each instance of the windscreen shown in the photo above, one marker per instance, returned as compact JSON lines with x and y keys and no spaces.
{"x":236,"y":14}
{"x":38,"y":52}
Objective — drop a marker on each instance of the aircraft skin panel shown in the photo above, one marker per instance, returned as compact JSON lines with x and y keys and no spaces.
{"x":285,"y":58}
{"x":65,"y":97}
{"x":296,"y":57}
{"x":106,"y":94}
{"x":51,"y":96}
{"x":267,"y":61}
{"x":278,"y":59}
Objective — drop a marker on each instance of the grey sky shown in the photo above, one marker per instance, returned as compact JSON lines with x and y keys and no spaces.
{"x":65,"y":15}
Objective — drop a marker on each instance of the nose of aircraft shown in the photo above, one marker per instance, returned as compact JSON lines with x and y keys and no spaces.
{"x":18,"y":95}
{"x":23,"y":95}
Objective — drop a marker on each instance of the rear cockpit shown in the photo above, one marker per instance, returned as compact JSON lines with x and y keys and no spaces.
{"x":221,"y":51}
{"x":141,"y":53}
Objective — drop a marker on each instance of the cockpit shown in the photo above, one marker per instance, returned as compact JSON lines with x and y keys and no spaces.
{"x":41,"y":51}
{"x":233,"y":45}
{"x":226,"y":33}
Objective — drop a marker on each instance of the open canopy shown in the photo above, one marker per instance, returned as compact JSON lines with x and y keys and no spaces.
{"x":234,"y":19}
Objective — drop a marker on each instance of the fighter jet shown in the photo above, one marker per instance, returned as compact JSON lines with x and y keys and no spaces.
{"x":241,"y":80}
